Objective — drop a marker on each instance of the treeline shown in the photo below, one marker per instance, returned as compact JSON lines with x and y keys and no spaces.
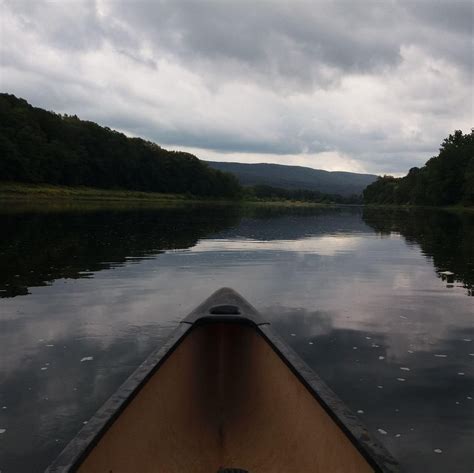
{"x":37,"y":146}
{"x":446,"y":179}
{"x":264,"y":192}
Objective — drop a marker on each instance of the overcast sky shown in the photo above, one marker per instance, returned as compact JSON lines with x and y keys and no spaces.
{"x":366,"y":86}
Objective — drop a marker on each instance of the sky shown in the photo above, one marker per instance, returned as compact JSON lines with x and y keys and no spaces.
{"x":364,"y":86}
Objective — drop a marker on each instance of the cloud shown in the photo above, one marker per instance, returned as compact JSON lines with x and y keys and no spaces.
{"x":373,"y":87}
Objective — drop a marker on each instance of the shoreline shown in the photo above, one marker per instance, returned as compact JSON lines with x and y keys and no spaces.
{"x":452,"y":208}
{"x":14,"y":192}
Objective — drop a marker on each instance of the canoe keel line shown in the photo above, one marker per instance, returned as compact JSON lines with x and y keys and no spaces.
{"x":224,"y":394}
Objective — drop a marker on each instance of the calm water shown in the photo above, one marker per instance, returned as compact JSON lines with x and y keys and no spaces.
{"x":87,"y":293}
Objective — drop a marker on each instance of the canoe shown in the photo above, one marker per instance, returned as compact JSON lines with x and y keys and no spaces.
{"x":224,"y":394}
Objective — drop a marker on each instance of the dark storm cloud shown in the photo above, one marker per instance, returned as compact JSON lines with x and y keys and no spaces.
{"x":297,"y":39}
{"x":292,"y":40}
{"x":375,"y":83}
{"x":277,"y":37}
{"x":75,"y":27}
{"x":455,"y":16}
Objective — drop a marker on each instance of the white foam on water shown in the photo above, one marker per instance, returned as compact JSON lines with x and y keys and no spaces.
{"x":398,"y":435}
{"x":381,"y":358}
{"x":461,"y":373}
{"x":441,"y":356}
{"x":401,"y":379}
{"x":87,"y":358}
{"x":2,"y":431}
{"x":438,"y":450}
{"x":360,"y":411}
{"x":383,"y":432}
{"x":404,"y":368}
{"x":380,"y":387}
{"x":44,"y":368}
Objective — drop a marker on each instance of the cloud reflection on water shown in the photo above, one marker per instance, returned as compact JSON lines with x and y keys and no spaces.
{"x":322,"y":275}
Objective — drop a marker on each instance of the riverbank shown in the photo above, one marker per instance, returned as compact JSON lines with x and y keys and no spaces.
{"x":452,"y":208}
{"x":21,"y":192}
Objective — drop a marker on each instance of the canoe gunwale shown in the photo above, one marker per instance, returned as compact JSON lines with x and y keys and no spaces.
{"x":376,"y":455}
{"x":73,"y":455}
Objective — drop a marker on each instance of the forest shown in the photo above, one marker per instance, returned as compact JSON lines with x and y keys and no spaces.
{"x":270,"y":193}
{"x":284,"y":176}
{"x":38,"y":146}
{"x":43,"y":147}
{"x":446,"y":179}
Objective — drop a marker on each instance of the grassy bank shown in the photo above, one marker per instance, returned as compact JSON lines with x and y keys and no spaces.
{"x":452,"y":208}
{"x":21,"y":192}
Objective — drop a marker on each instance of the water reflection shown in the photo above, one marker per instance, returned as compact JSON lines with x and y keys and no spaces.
{"x":358,"y":294}
{"x":37,"y":248}
{"x":447,"y":238}
{"x":419,"y":401}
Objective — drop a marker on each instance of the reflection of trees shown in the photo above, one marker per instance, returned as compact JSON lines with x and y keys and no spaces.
{"x":446,"y":237}
{"x":37,"y":248}
{"x":276,"y":223}
{"x":39,"y":244}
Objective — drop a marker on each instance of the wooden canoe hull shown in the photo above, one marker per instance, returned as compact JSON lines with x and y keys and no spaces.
{"x":224,"y":392}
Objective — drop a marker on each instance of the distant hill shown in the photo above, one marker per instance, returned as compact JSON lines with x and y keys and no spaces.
{"x":297,"y":177}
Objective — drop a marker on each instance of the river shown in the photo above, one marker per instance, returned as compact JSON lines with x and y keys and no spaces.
{"x":378,"y":302}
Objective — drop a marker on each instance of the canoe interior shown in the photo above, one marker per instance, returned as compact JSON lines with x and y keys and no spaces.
{"x":224,"y":398}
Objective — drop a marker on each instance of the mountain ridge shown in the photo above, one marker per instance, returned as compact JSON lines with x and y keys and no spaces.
{"x":296,"y":177}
